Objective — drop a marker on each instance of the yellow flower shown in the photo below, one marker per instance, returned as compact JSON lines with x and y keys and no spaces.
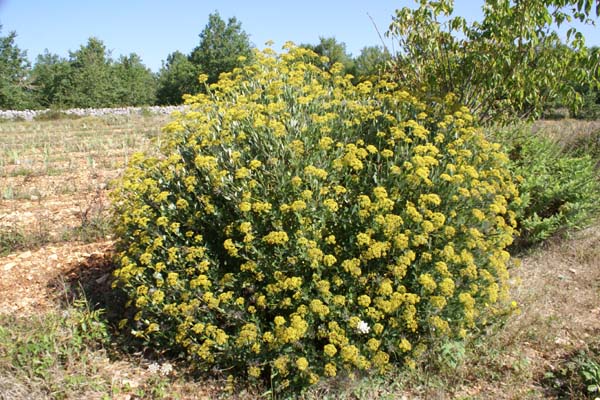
{"x":254,"y":371}
{"x":276,"y":238}
{"x":302,"y":364}
{"x":325,"y":142}
{"x":330,"y":350}
{"x":329,"y":260}
{"x":364,"y":300}
{"x":373,"y":344}
{"x":230,"y":247}
{"x":298,"y":205}
{"x":331,"y":205}
{"x":244,"y":206}
{"x":330,"y":370}
{"x":254,"y":164}
{"x":426,"y":280}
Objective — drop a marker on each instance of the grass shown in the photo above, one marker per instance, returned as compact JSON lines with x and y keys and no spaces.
{"x":14,"y":239}
{"x":550,"y":350}
{"x":53,"y":355}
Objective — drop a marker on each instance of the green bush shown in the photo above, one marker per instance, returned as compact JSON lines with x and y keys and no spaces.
{"x":298,"y":226}
{"x":559,"y":189}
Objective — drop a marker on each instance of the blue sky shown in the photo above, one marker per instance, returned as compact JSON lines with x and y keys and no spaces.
{"x":153,"y":28}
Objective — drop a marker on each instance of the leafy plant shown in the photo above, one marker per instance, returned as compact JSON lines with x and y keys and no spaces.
{"x":559,"y":190}
{"x":46,"y":349}
{"x":14,"y":69}
{"x":577,"y":376}
{"x":223,"y":47}
{"x":508,"y":66}
{"x":590,"y":371}
{"x":298,"y":226}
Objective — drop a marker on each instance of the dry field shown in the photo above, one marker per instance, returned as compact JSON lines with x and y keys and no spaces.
{"x":55,"y":239}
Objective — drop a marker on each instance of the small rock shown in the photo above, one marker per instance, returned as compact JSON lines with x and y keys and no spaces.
{"x":25,"y":255}
{"x":102,"y":279}
{"x":573,"y":271}
{"x":561,"y":341}
{"x":53,"y":257}
{"x":9,"y":266}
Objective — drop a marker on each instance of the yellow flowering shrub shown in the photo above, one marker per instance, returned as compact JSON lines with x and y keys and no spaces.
{"x":298,"y":226}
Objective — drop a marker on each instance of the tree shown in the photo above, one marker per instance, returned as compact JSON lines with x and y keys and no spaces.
{"x":15,"y":91}
{"x":223,"y":47}
{"x":507,"y":66}
{"x":334,"y":51}
{"x":136,"y":84}
{"x":51,"y":80}
{"x":91,"y":76}
{"x":371,"y":62}
{"x":590,"y":108}
{"x":178,"y":76}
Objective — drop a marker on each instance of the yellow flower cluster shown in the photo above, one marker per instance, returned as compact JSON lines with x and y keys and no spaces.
{"x":301,"y":224}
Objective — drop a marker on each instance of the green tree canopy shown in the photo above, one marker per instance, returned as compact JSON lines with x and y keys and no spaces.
{"x":51,"y":79}
{"x":178,"y":76}
{"x":221,"y":46}
{"x":14,"y":70}
{"x":136,"y":84}
{"x":92,"y":83}
{"x":335,"y":52}
{"x":509,"y":65}
{"x":371,"y":61}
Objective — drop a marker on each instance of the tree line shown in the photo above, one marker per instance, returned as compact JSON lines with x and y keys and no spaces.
{"x":90,"y":77}
{"x":512,"y":64}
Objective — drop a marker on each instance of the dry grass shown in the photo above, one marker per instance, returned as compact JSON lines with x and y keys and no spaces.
{"x":54,"y":179}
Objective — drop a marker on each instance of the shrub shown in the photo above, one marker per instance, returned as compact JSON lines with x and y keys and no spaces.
{"x":298,"y":226}
{"x":559,"y":188}
{"x":55,"y":115}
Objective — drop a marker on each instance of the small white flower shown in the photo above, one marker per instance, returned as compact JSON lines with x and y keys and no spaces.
{"x":166,"y":369}
{"x":154,"y":368}
{"x":363,"y":327}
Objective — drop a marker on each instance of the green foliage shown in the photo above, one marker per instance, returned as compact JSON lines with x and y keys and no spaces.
{"x":14,"y":239}
{"x":577,"y":376}
{"x":90,"y":81}
{"x":590,"y":108}
{"x":135,"y":84}
{"x":587,"y":145}
{"x":90,"y":78}
{"x":371,"y":62}
{"x":223,"y":47}
{"x":55,"y":115}
{"x":177,"y":77}
{"x":14,"y":69}
{"x":51,"y":80}
{"x":46,"y":349}
{"x":334,"y":51}
{"x":508,"y":66}
{"x":298,"y":226}
{"x":559,"y":190}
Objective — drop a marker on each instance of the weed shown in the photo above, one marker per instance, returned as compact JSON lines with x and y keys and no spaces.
{"x":54,"y":115}
{"x":53,"y":354}
{"x":22,"y":171}
{"x":14,"y":239}
{"x":94,"y":222}
{"x":577,"y":376}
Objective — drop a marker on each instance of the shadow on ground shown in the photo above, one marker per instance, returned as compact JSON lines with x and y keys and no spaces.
{"x":91,"y":280}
